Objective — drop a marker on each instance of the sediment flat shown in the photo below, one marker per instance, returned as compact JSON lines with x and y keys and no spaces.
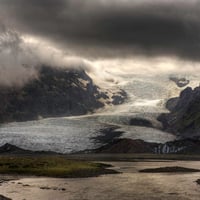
{"x":129,"y":184}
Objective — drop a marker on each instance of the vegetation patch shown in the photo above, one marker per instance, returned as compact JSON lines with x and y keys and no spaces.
{"x":169,"y":170}
{"x":51,"y":166}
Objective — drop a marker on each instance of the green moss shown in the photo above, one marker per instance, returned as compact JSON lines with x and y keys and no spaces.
{"x":52,"y":166}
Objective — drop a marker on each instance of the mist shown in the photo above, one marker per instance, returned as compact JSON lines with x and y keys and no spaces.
{"x":21,"y":56}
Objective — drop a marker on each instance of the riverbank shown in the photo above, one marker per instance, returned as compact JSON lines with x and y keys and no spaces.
{"x":51,"y":166}
{"x":129,"y":184}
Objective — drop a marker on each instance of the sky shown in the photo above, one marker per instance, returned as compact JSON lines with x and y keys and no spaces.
{"x":156,"y":36}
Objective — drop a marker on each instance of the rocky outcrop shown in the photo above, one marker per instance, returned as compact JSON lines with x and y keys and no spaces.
{"x":119,"y":97}
{"x":180,"y":82}
{"x":171,"y":103}
{"x":140,"y":122}
{"x":12,"y":149}
{"x":186,"y":146}
{"x":4,"y":198}
{"x":56,"y":92}
{"x":198,"y":181}
{"x":184,"y":118}
{"x":127,"y":146}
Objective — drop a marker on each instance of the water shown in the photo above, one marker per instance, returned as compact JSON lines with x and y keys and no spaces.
{"x":146,"y":98}
{"x":130,"y":185}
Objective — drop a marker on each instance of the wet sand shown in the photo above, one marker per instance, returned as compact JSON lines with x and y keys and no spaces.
{"x":129,"y":185}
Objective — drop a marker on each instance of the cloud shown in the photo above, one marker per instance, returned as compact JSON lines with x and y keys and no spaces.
{"x":12,"y":69}
{"x":114,"y":28}
{"x":140,"y":36}
{"x":21,"y":56}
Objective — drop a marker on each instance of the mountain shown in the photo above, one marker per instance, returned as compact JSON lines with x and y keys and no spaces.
{"x":127,"y":146}
{"x":12,"y":149}
{"x":56,"y":92}
{"x":185,"y":146}
{"x":184,"y":116}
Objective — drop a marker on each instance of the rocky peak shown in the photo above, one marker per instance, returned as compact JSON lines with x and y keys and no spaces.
{"x":184,"y":118}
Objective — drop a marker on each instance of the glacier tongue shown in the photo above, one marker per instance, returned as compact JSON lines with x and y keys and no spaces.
{"x":146,"y":100}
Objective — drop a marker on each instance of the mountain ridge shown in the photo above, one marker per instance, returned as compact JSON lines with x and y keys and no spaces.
{"x":184,"y":117}
{"x":56,"y":92}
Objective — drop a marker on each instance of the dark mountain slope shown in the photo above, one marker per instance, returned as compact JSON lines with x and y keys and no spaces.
{"x":56,"y":92}
{"x":185,"y":146}
{"x":184,"y":118}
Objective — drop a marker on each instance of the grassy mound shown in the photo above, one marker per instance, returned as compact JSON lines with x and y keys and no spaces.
{"x":169,"y":170}
{"x":51,"y":166}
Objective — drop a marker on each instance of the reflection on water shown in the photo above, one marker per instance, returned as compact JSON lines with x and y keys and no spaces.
{"x":130,"y":185}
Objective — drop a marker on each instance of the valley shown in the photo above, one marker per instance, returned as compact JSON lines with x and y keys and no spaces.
{"x":134,"y":118}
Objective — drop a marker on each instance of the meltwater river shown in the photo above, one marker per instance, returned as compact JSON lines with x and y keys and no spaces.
{"x":128,"y":185}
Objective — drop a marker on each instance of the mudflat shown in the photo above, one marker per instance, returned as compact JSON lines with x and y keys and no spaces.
{"x":129,"y":184}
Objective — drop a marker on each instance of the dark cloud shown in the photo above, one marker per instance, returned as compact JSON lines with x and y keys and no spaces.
{"x":111,"y":28}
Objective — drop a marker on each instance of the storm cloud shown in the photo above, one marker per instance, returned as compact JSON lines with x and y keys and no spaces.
{"x":99,"y":28}
{"x":21,"y":56}
{"x":124,"y":36}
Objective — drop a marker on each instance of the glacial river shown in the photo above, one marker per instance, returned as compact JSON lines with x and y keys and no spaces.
{"x":129,"y":185}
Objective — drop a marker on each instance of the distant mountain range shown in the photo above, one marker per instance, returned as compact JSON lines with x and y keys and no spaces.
{"x":56,"y":92}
